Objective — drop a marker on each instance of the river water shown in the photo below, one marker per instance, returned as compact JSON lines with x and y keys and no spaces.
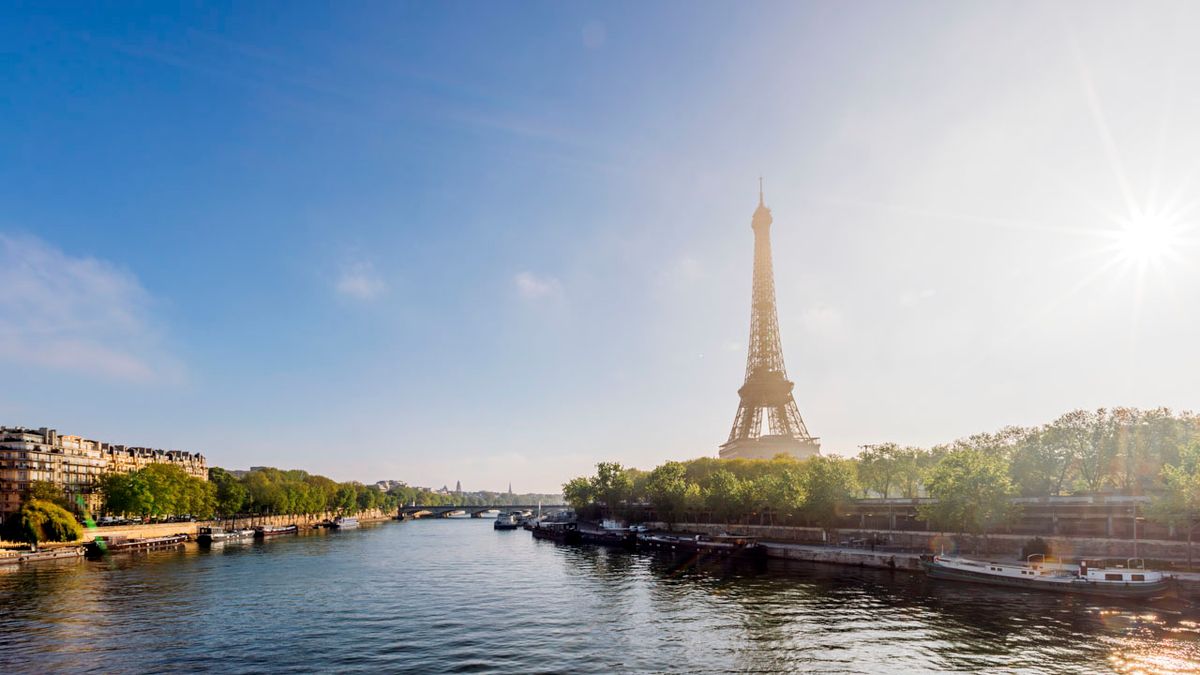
{"x":455,"y":596}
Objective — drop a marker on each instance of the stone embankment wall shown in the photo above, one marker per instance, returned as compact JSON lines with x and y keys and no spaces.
{"x":905,"y":562}
{"x":166,"y":529}
{"x":1008,"y":545}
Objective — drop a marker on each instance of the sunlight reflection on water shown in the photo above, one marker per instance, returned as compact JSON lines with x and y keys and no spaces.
{"x":455,"y":596}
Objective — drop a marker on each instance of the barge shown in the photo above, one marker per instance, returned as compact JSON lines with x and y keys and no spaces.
{"x":563,"y":533}
{"x":20,"y":557}
{"x":1132,"y":580}
{"x":264,"y":531}
{"x":103,"y":544}
{"x":725,"y":545}
{"x":619,"y":537}
{"x":213,"y":535}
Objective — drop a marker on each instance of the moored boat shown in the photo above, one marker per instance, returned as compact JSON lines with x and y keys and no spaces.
{"x":213,"y":535}
{"x":105,"y":544}
{"x":264,"y":531}
{"x":608,"y":534}
{"x":563,"y":533}
{"x":724,"y":545}
{"x":505,"y":521}
{"x":19,"y":557}
{"x":1132,"y":580}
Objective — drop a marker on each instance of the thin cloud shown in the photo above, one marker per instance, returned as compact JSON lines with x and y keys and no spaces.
{"x":75,"y":314}
{"x":533,"y":287}
{"x":359,"y":281}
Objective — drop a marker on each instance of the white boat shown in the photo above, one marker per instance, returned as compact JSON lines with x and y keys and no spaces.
{"x":213,"y":535}
{"x":1132,"y":580}
{"x":505,"y":521}
{"x":345,"y":522}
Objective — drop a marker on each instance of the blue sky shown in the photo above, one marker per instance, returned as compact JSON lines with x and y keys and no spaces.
{"x":500,"y":242}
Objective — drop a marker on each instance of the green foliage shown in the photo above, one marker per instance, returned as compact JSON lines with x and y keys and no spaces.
{"x":578,"y":492}
{"x":668,"y":489}
{"x":231,"y":494}
{"x":729,"y":490}
{"x":973,"y":492}
{"x":1179,"y":502}
{"x":830,"y":484}
{"x":295,"y":492}
{"x":912,"y":464}
{"x":1093,"y":450}
{"x":159,"y":490}
{"x":48,"y":492}
{"x":726,"y":495}
{"x":974,"y":477}
{"x":40,"y":521}
{"x":612,"y":485}
{"x":878,"y":468}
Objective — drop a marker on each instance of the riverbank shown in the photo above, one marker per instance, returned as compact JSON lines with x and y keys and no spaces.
{"x":1004,"y":546}
{"x":903,"y":553}
{"x":191,"y":528}
{"x":306,"y":522}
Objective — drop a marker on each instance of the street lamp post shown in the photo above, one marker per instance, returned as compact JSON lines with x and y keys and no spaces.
{"x":1136,"y":518}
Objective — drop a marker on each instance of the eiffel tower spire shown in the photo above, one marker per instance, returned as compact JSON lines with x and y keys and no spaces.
{"x":767,"y":388}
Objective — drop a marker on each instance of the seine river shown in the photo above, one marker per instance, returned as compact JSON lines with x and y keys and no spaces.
{"x":455,"y":596}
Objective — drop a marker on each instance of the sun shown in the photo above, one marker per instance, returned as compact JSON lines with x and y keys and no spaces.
{"x":1146,"y":238}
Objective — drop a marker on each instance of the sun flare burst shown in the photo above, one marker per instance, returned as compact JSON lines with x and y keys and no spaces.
{"x":1147,"y":238}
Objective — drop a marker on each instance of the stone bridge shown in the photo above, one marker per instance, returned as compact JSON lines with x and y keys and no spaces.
{"x":417,"y":511}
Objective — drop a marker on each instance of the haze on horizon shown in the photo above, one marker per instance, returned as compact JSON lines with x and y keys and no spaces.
{"x":440,"y":242}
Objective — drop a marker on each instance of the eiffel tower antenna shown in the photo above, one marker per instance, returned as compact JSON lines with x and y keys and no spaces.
{"x":766,"y":388}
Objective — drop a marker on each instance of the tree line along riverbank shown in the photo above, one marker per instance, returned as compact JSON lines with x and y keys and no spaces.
{"x":161,"y":492}
{"x":973,"y":486}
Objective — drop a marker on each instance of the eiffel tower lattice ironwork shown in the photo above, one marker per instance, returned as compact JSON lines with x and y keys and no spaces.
{"x":767,"y":392}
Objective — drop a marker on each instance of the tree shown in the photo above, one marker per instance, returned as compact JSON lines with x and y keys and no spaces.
{"x":727,"y":496}
{"x":126,"y":494}
{"x":667,"y":490}
{"x":1179,"y":503}
{"x":231,"y":495}
{"x":1041,"y":461}
{"x":40,"y":520}
{"x":1093,"y":440}
{"x":878,"y":467}
{"x":344,"y":498}
{"x":611,"y":485}
{"x":158,"y":490}
{"x":578,"y":493}
{"x":48,"y":492}
{"x":911,"y":466}
{"x":973,"y":492}
{"x":781,"y":491}
{"x":829,"y":484}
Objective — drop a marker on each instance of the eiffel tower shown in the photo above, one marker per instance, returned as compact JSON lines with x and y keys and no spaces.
{"x":767,"y":388}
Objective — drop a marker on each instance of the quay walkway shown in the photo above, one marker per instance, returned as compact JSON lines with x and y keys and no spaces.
{"x":842,"y":555}
{"x":1189,"y":582}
